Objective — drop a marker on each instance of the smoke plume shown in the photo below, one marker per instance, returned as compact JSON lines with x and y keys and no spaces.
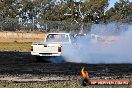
{"x":111,"y":43}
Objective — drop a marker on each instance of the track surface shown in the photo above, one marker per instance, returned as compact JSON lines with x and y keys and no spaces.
{"x":20,"y":63}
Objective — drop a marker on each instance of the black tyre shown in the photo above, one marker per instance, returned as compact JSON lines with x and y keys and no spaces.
{"x":42,"y":59}
{"x":85,"y":82}
{"x":38,"y":59}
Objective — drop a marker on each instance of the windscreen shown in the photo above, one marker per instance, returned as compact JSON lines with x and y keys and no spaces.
{"x":57,"y":38}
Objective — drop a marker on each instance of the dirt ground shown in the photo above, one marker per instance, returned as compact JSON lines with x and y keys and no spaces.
{"x":21,"y":66}
{"x":20,"y":70}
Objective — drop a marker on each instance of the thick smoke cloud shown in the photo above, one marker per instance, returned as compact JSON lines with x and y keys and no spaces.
{"x":112,"y":43}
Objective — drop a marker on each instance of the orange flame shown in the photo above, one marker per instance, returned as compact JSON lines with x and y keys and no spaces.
{"x":84,"y":73}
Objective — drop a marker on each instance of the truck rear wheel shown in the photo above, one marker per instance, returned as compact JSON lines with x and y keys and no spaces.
{"x":38,"y":58}
{"x":42,"y":59}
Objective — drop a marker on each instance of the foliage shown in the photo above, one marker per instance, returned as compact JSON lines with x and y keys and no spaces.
{"x":121,"y":12}
{"x":35,"y":14}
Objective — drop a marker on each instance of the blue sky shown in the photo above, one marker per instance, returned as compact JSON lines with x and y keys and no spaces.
{"x":111,"y":3}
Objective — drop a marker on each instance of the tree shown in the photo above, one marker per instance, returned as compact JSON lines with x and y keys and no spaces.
{"x":121,"y":11}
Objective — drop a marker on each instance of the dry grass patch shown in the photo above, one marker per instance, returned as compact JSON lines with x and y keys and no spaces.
{"x":15,"y":46}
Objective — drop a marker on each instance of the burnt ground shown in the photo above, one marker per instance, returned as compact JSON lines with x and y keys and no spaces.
{"x":22,"y":64}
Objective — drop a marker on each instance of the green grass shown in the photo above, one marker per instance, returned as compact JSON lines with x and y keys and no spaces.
{"x":15,"y":46}
{"x":57,"y":85}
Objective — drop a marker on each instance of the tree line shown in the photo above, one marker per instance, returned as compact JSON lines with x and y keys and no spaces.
{"x":64,"y":15}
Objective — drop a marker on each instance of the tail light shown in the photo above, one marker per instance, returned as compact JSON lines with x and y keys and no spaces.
{"x":59,"y":49}
{"x":31,"y":48}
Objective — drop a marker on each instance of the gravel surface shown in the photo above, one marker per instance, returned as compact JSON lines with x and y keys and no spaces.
{"x":21,"y":66}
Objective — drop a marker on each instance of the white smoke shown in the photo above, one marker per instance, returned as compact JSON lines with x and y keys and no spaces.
{"x":101,"y":50}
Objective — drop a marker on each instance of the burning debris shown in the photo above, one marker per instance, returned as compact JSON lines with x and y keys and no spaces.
{"x":85,"y":74}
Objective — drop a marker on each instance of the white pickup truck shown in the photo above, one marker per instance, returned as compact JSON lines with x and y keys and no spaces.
{"x":52,"y":45}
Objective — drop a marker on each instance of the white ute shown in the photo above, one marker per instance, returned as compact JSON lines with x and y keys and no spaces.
{"x":52,"y":45}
